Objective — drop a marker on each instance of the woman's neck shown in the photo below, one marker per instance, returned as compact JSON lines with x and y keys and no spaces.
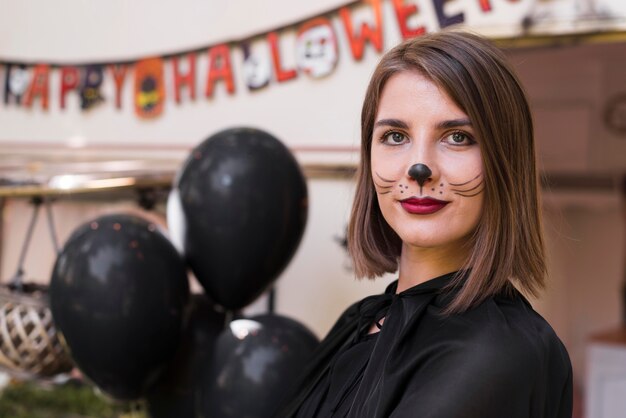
{"x":418,"y":265}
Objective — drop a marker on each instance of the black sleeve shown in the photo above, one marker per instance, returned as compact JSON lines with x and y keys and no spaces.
{"x":478,"y":380}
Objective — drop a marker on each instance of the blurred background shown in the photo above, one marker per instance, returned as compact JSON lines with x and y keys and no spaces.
{"x":103,"y":102}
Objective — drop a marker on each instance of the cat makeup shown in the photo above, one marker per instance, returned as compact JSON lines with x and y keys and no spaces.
{"x":426,"y":164}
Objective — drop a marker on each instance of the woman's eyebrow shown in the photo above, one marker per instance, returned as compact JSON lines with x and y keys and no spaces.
{"x":395,"y":123}
{"x":446,"y":124}
{"x":453,"y":123}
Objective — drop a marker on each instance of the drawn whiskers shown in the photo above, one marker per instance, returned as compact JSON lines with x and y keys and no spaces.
{"x":381,"y":189}
{"x":469,"y":188}
{"x":386,"y":189}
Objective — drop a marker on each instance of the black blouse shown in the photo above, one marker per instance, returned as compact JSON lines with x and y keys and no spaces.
{"x":498,"y":360}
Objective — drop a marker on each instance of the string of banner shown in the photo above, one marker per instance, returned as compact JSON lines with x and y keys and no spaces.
{"x":316,"y":55}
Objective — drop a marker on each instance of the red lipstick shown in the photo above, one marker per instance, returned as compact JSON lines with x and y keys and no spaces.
{"x":422,"y":205}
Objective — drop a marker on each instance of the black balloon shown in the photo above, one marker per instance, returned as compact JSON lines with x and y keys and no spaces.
{"x":244,"y":198}
{"x":254,"y":363}
{"x":117,"y":294}
{"x":178,"y":392}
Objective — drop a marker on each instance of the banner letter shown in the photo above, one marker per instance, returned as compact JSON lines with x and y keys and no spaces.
{"x":119,"y":75}
{"x":373,"y":34}
{"x":485,"y":5}
{"x":403,"y":11}
{"x":38,"y":86}
{"x":281,"y":73}
{"x":188,"y":79}
{"x":69,"y":81}
{"x":219,"y":69}
{"x":445,"y":20}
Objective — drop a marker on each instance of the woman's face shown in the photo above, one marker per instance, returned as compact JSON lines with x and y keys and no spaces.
{"x":436,"y":204}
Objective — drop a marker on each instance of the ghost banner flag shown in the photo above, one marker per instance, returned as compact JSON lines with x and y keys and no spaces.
{"x":316,"y":48}
{"x":17,"y":80}
{"x":257,"y":68}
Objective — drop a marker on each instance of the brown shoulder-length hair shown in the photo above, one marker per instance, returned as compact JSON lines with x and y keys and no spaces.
{"x":507,"y":244}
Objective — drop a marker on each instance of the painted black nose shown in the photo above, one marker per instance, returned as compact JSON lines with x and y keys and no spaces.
{"x":420,"y":172}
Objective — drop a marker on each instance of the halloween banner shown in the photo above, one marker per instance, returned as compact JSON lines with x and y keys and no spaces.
{"x":308,"y":49}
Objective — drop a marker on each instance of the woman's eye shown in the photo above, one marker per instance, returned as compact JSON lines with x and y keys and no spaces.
{"x":459,"y":138}
{"x":394,"y":138}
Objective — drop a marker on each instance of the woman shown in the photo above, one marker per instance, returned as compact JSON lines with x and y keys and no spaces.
{"x":447,"y":196}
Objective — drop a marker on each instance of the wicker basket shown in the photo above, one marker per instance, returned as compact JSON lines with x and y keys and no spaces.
{"x":29,"y":345}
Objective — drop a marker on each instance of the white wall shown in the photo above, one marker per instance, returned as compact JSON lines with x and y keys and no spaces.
{"x":77,"y":31}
